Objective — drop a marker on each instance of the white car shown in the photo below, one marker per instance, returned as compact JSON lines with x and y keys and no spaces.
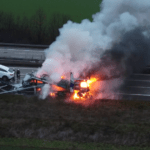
{"x":6,"y":73}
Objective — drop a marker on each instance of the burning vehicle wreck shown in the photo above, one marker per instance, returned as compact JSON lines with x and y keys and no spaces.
{"x":80,"y":88}
{"x":30,"y":85}
{"x":76,"y":88}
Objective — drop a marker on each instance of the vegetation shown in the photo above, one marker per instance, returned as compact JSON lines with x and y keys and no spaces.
{"x":38,"y":21}
{"x":36,"y":144}
{"x":36,"y":30}
{"x":121,"y":123}
{"x":77,"y":9}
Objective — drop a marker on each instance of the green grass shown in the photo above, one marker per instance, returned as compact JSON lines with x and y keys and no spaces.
{"x":29,"y":144}
{"x":77,"y":9}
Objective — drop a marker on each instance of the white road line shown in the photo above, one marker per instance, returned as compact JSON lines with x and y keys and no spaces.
{"x":133,"y":94}
{"x":137,"y":80}
{"x":142,"y":74}
{"x":138,"y":87}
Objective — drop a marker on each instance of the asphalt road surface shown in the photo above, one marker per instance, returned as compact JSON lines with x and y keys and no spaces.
{"x":23,"y":53}
{"x":23,"y":71}
{"x":136,"y":87}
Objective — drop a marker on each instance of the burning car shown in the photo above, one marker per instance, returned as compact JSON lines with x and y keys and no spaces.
{"x":32,"y":84}
{"x":80,"y":88}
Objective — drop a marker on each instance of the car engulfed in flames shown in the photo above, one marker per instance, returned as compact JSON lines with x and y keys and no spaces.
{"x":76,"y":89}
{"x":82,"y":89}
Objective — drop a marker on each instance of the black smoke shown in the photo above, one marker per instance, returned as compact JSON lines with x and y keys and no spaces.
{"x":130,"y":55}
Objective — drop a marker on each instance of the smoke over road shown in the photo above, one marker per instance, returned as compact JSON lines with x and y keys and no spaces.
{"x":113,"y":45}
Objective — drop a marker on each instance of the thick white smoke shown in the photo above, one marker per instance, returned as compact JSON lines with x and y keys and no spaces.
{"x":80,"y":45}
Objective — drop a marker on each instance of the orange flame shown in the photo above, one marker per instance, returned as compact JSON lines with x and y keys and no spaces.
{"x":91,"y":81}
{"x":39,"y":82}
{"x":62,"y":77}
{"x":33,"y":81}
{"x":38,"y":89}
{"x":52,"y":94}
{"x":75,"y":94}
{"x":84,"y":84}
{"x":57,"y":88}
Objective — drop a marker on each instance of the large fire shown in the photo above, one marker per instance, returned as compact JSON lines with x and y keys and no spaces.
{"x":82,"y":89}
{"x":91,"y":81}
{"x":57,"y":88}
{"x":86,"y":84}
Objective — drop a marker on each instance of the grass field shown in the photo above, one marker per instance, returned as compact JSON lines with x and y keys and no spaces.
{"x":119,"y":123}
{"x":34,"y":144}
{"x":77,"y":9}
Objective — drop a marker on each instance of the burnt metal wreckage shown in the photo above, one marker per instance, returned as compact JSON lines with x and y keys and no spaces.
{"x":30,"y":85}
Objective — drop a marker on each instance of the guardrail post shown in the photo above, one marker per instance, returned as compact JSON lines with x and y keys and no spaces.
{"x":34,"y":90}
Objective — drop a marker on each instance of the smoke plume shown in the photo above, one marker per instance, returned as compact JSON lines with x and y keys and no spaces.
{"x":113,"y":45}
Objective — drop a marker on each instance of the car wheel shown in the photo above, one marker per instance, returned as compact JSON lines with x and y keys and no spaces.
{"x":4,"y":78}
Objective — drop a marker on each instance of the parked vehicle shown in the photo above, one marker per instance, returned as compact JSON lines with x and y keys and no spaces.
{"x":6,"y":73}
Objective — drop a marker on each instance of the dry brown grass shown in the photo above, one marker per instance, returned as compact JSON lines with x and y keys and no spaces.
{"x":107,"y":121}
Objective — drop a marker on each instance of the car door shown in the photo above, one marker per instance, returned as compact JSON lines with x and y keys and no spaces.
{"x":2,"y":72}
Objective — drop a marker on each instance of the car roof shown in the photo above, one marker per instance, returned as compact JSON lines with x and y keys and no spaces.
{"x":4,"y":67}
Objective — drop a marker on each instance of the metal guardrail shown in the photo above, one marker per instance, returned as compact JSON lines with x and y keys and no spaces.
{"x":21,"y":63}
{"x":21,"y":59}
{"x":24,"y":45}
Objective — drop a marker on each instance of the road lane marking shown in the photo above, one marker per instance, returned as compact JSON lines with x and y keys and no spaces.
{"x":137,"y":87}
{"x":133,"y":94}
{"x":138,"y":80}
{"x":141,"y":74}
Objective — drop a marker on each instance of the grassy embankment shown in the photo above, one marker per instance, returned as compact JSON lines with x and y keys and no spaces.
{"x":117,"y":123}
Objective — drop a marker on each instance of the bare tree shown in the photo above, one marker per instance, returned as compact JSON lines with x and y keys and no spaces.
{"x":34,"y":30}
{"x":56,"y":21}
{"x":38,"y":23}
{"x":9,"y":21}
{"x":2,"y":15}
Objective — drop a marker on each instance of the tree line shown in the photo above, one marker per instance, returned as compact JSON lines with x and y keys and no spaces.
{"x":37,"y":29}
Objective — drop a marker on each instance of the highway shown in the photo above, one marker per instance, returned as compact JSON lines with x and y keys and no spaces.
{"x":135,"y":87}
{"x":23,"y":71}
{"x":23,"y":53}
